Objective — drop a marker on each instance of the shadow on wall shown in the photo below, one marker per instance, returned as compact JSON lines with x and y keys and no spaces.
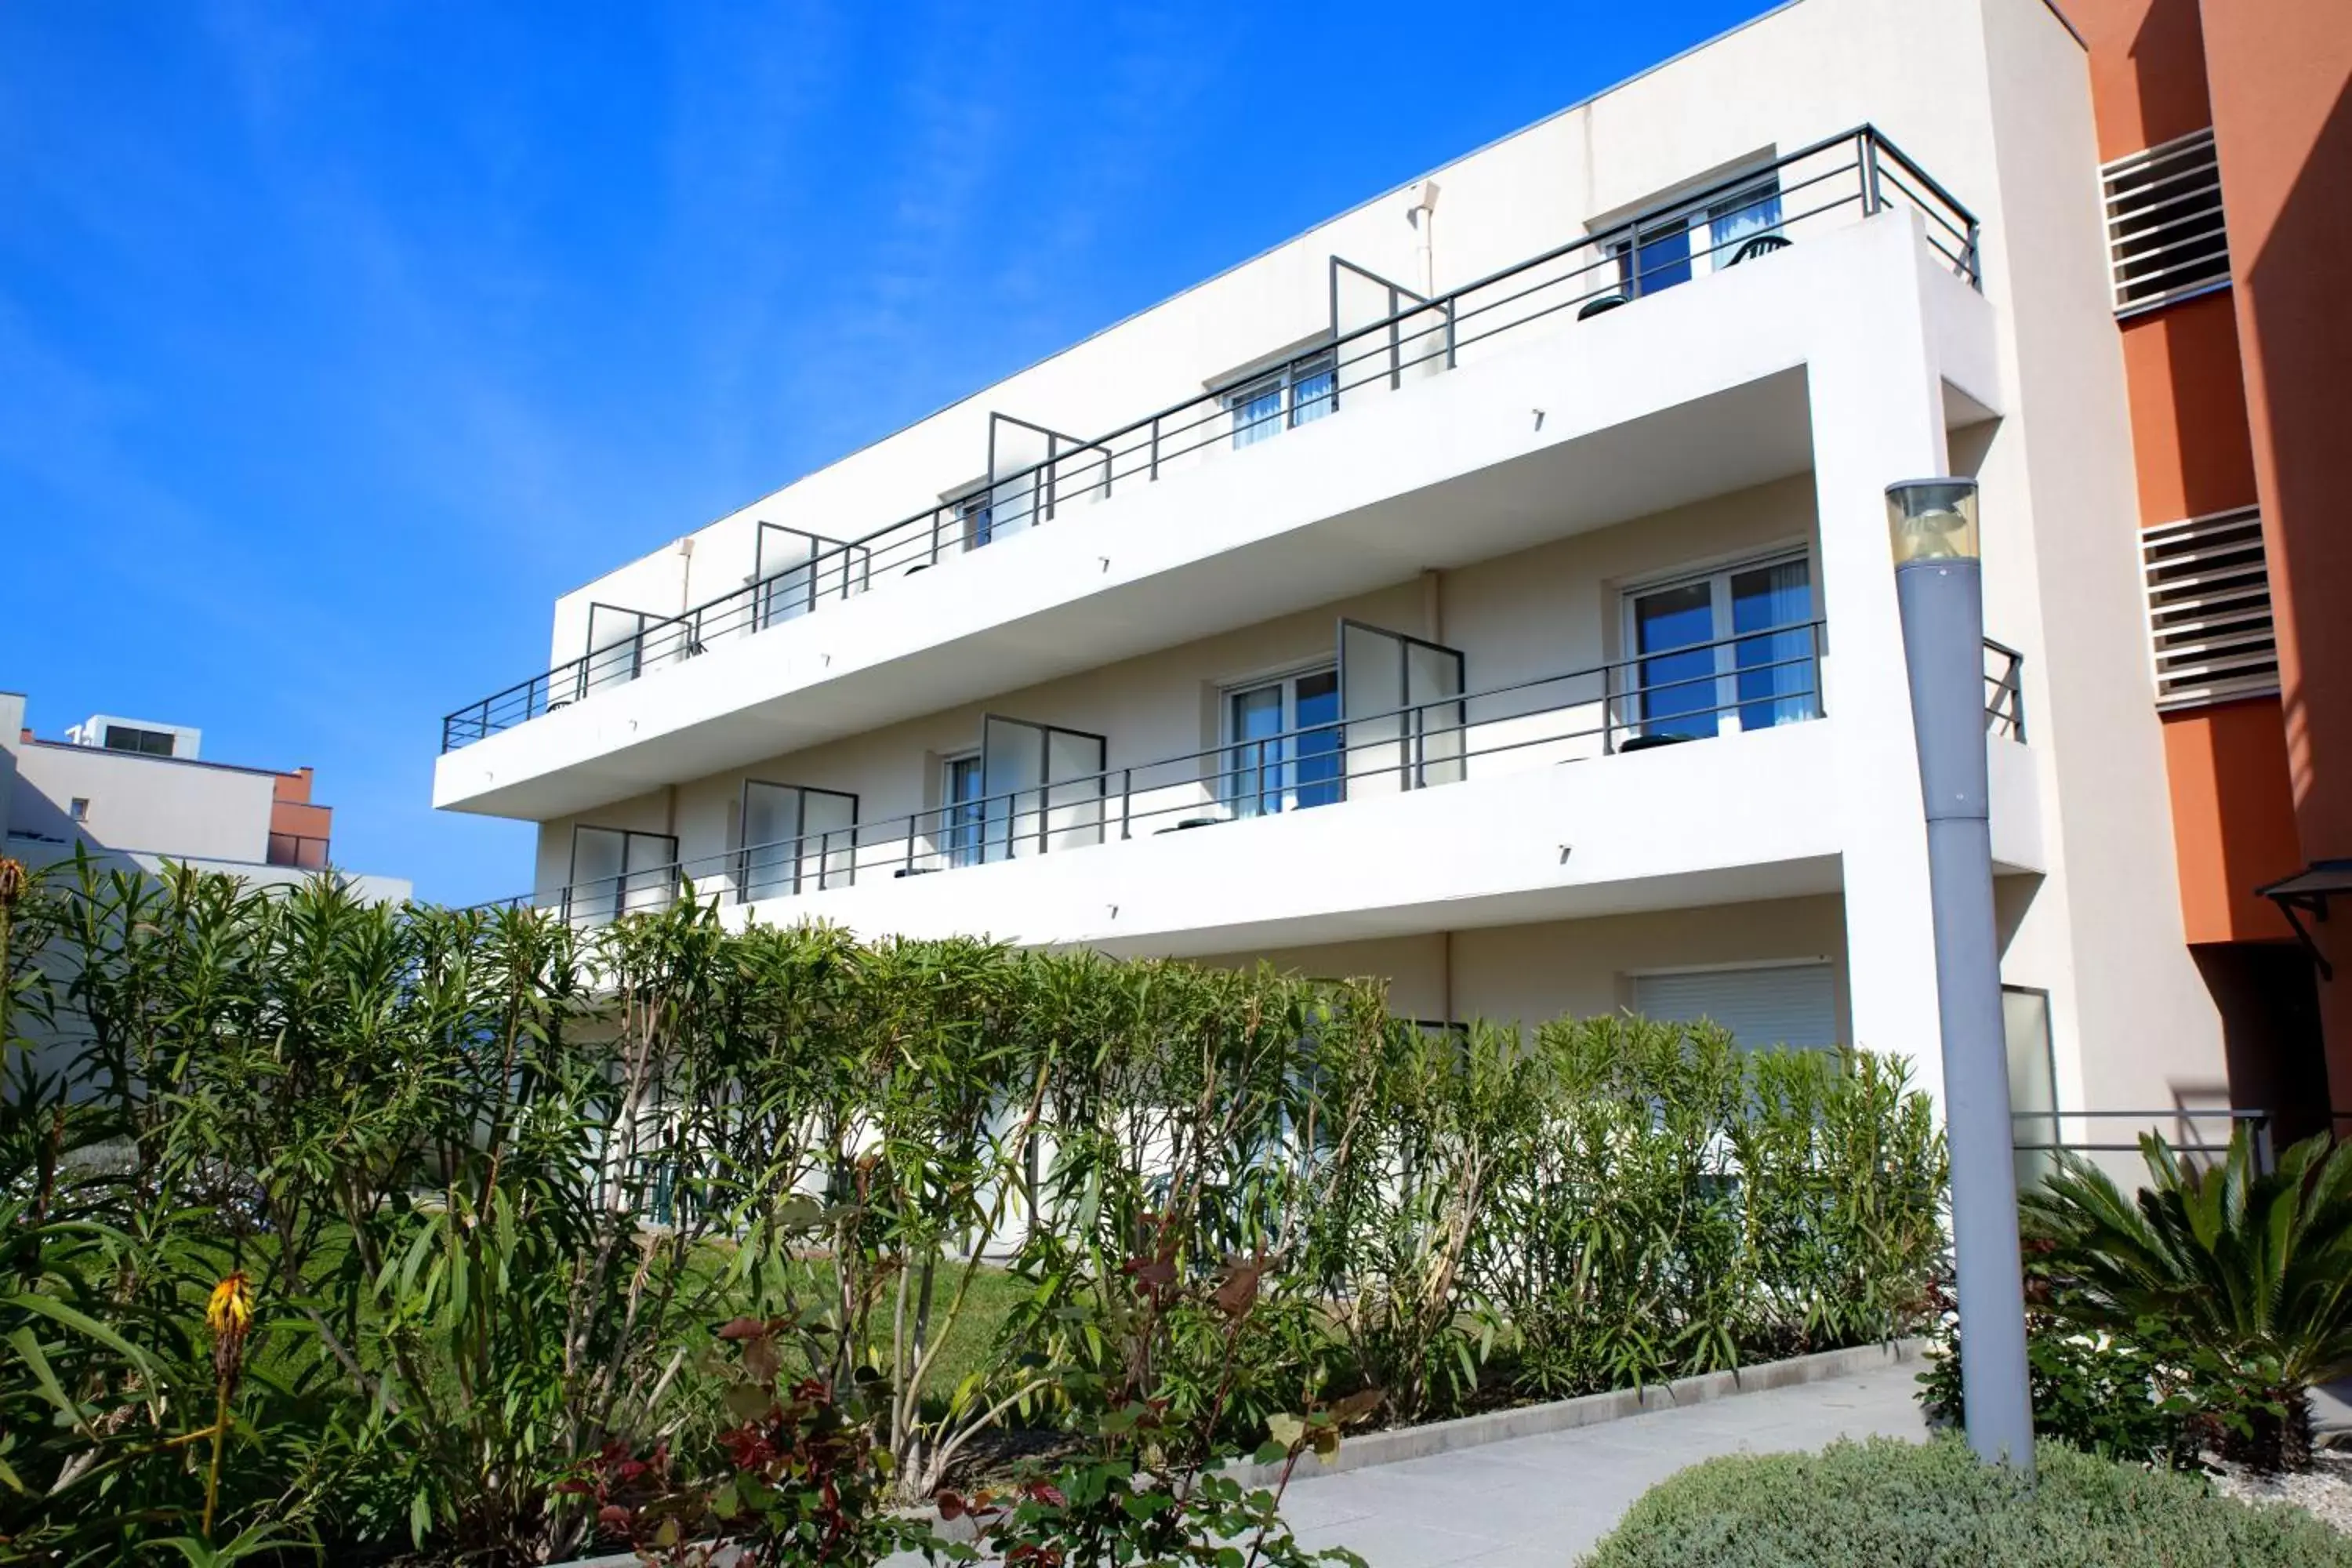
{"x":2300,"y":359}
{"x":2270,"y":1032}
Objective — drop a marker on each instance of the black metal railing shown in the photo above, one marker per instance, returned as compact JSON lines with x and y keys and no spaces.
{"x":1740,"y":220}
{"x":2202,"y":1133}
{"x":1757,"y":679}
{"x":2004,"y":692}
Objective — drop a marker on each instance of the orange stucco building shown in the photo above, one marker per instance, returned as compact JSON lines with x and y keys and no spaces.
{"x":2238,"y":367}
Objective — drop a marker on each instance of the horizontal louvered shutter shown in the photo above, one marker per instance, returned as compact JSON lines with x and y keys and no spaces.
{"x":2165,"y":235}
{"x":1791,"y":1004}
{"x":2208,"y":609}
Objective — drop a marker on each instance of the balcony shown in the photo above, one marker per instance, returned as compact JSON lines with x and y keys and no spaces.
{"x":1038,"y":477}
{"x":1373,"y":760}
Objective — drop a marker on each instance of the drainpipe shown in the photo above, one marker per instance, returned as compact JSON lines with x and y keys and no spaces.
{"x":686,"y":574}
{"x":1423,"y":215}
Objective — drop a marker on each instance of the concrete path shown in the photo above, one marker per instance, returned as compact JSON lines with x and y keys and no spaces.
{"x":1541,"y":1503}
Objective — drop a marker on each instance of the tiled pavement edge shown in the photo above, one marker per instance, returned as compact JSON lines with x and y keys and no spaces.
{"x":1545,"y":1499}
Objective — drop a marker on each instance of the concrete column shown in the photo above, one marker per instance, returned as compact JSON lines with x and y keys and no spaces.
{"x":1877,"y":416}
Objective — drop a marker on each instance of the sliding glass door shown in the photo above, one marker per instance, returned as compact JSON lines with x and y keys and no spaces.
{"x":1284,"y":749}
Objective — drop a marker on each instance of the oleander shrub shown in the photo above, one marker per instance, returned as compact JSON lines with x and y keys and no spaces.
{"x":1888,"y":1504}
{"x":369,"y":1233}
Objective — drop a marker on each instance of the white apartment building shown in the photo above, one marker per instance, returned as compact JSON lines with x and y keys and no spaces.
{"x":138,"y":792}
{"x":1488,"y":589}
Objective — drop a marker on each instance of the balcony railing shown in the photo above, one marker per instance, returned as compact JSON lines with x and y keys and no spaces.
{"x":2004,"y":692}
{"x":1037,"y":475}
{"x":1758,"y":679}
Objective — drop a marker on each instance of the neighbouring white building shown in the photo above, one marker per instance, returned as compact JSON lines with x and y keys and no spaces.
{"x":136,"y":792}
{"x":1488,"y":589}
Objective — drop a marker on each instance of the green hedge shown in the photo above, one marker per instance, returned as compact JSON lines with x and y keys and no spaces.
{"x":492,"y":1180}
{"x":1887,"y":1504}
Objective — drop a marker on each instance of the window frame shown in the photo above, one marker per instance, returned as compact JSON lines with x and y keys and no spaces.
{"x":963,"y":824}
{"x":1718,"y":576}
{"x":1231,"y":770}
{"x":1283,"y":379}
{"x":1697,"y":261}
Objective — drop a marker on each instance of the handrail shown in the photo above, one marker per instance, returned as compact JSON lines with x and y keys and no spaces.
{"x":2258,"y":1123}
{"x":1414,"y":746}
{"x":1434,"y":330}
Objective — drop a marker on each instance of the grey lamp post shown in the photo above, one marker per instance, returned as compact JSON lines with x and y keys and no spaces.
{"x":1938,"y":587}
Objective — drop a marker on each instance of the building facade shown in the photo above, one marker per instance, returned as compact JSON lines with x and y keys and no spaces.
{"x":2223,"y":131}
{"x":136,"y":792}
{"x":1488,"y":589}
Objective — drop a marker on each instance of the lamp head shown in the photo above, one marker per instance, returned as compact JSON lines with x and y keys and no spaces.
{"x":1932,"y":520}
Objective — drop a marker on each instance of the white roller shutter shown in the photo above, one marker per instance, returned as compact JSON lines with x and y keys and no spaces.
{"x":1789,"y":1004}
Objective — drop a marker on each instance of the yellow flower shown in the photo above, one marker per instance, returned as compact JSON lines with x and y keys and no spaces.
{"x":230,"y":1312}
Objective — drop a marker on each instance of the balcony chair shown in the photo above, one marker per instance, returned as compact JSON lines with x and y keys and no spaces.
{"x":1762,"y":245}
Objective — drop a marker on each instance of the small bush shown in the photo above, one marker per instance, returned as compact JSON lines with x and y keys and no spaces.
{"x":2111,"y":1396}
{"x":1887,"y":1504}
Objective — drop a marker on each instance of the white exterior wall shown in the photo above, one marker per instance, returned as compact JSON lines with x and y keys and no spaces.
{"x":1738,"y":411}
{"x":1548,"y":611}
{"x":1789,"y":79}
{"x":1531,"y":973}
{"x":137,"y":802}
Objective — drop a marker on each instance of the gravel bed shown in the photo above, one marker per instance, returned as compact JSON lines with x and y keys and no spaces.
{"x":2325,"y":1490}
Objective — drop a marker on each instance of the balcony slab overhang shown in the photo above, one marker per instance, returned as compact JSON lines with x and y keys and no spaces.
{"x":1696,"y":392}
{"x":1735,"y":819}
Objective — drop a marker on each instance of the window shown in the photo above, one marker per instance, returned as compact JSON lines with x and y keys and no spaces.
{"x":1772,"y":1005}
{"x":1305,"y":389}
{"x":1284,"y":744}
{"x":297,"y":850}
{"x":2208,"y":609}
{"x":1664,"y":253}
{"x":80,"y":810}
{"x":1725,"y":651}
{"x":146,"y":742}
{"x":975,"y":518}
{"x":616,"y":872}
{"x":962,"y":818}
{"x":2167,"y":238}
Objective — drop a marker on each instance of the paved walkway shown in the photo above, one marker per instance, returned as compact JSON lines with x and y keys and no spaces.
{"x":1540,"y":1502}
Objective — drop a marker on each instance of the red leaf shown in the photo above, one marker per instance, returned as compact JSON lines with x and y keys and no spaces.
{"x":951,"y":1506}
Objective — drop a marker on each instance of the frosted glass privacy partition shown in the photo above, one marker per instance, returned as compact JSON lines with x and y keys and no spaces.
{"x":796,"y":569}
{"x":1015,"y":497}
{"x":616,"y":872}
{"x":1035,"y":473}
{"x":1402,"y":699}
{"x":795,"y":839}
{"x":2032,"y":1082}
{"x":1044,"y":786}
{"x":617,"y":646}
{"x":1074,"y":789}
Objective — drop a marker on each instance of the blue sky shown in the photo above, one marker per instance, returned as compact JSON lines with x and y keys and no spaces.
{"x":336,"y":340}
